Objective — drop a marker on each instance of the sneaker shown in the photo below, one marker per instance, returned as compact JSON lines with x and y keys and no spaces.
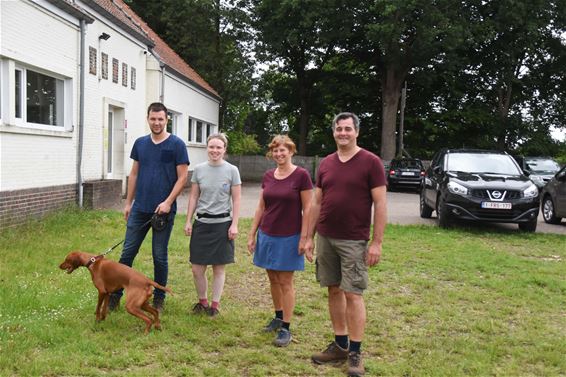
{"x":213,"y":312}
{"x":332,"y":354}
{"x":158,"y":303}
{"x":355,"y":365}
{"x":274,"y":325}
{"x":283,"y":338}
{"x":114,"y":302}
{"x":200,"y":309}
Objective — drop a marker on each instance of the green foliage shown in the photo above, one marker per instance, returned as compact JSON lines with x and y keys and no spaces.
{"x":240,"y":143}
{"x":485,"y":74}
{"x":455,"y":302}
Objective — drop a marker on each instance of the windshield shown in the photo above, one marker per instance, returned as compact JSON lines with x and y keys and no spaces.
{"x":408,"y":164}
{"x":542,"y":165}
{"x":482,"y":163}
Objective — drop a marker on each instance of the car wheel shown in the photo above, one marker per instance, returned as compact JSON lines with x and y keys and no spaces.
{"x":426,"y":211}
{"x":530,"y":226}
{"x":442,"y":216}
{"x":548,"y":211}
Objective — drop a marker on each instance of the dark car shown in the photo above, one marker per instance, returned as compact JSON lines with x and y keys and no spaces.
{"x":539,"y":169}
{"x":478,"y":185}
{"x":405,"y":172}
{"x":554,"y":198}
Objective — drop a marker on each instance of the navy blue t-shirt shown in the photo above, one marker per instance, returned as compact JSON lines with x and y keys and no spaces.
{"x":157,"y":173}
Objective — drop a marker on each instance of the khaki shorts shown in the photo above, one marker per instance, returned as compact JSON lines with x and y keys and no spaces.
{"x":342,"y":263}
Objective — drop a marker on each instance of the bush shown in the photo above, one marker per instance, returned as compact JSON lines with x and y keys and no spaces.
{"x":240,"y":143}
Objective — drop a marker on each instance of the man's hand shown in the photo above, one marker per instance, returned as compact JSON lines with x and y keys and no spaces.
{"x":307,"y":248}
{"x":373,"y":254}
{"x":127,"y":210}
{"x":162,"y":208}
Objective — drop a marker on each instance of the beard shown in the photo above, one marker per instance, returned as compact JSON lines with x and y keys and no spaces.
{"x":157,"y":132}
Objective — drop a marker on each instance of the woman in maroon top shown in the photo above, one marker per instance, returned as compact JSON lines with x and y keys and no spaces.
{"x":280,"y":224}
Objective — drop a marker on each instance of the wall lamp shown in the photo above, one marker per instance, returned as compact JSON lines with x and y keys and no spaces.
{"x":104,"y":36}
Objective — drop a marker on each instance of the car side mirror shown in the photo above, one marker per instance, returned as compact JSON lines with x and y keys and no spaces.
{"x":437,"y":169}
{"x":561,"y":176}
{"x":526,"y":172}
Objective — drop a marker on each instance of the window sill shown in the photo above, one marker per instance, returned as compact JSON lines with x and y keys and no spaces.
{"x":195,"y":145}
{"x":7,"y":128}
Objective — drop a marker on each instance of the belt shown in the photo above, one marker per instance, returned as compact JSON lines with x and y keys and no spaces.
{"x":211,"y":216}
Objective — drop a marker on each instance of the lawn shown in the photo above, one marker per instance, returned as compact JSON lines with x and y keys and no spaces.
{"x":459,"y":302}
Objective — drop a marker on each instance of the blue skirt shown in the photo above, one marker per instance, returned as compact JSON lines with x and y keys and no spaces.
{"x":278,"y":253}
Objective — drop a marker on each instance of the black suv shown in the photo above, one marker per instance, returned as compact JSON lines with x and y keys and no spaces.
{"x":405,"y":172}
{"x":479,"y":185}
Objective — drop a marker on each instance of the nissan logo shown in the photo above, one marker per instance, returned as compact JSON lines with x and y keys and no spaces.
{"x":496,"y":194}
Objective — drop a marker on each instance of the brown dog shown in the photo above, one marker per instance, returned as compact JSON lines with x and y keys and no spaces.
{"x":108,"y":276}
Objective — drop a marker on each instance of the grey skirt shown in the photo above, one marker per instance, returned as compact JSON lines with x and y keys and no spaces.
{"x":210,"y":245}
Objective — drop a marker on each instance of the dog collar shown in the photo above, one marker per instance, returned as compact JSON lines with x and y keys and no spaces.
{"x":92,"y":260}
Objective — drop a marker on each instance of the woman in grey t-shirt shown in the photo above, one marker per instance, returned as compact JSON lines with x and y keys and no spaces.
{"x":215,"y":192}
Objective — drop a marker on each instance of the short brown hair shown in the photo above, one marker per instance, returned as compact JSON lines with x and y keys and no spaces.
{"x":156,"y":107}
{"x":281,"y":140}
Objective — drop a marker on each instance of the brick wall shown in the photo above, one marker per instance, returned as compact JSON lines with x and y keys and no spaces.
{"x":99,"y":194}
{"x":17,"y":206}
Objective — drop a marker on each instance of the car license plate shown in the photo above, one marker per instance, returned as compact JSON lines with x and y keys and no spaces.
{"x":408,"y":173}
{"x":495,"y":205}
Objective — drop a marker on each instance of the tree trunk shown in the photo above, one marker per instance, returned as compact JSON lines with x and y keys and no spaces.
{"x":391,"y":90}
{"x":304,"y":112}
{"x":504,"y":102}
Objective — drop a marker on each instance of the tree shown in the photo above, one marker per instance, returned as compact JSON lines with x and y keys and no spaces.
{"x":297,"y":38}
{"x":399,"y":36}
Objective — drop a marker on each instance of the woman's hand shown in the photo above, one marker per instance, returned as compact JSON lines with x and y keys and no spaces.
{"x":232,"y":232}
{"x":188,"y":228}
{"x":251,"y":244}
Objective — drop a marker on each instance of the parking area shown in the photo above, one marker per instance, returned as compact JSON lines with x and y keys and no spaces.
{"x":403,"y":208}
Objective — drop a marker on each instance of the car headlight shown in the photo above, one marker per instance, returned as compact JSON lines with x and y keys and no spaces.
{"x":538,"y":180}
{"x":456,"y":188}
{"x":530,"y":192}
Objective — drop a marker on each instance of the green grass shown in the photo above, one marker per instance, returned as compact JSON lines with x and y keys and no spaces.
{"x":454,"y":302}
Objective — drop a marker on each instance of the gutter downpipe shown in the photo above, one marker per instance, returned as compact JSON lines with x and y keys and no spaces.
{"x":81,"y":113}
{"x":162,"y":91}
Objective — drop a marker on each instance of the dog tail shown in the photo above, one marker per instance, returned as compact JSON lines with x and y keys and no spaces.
{"x":159,"y":286}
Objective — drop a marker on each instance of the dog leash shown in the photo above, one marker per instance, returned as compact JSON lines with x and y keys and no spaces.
{"x":93,"y":259}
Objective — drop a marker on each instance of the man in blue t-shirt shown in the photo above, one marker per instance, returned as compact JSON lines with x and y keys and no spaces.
{"x":158,"y":176}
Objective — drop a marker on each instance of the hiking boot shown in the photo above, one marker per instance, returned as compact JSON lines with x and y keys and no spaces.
{"x":158,"y":303}
{"x":213,"y":312}
{"x":274,"y":325}
{"x":283,"y":338}
{"x":114,"y":302}
{"x":355,"y":364}
{"x":332,"y":354}
{"x":200,"y":309}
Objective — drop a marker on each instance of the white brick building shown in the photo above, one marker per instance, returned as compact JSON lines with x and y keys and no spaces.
{"x":66,"y":119}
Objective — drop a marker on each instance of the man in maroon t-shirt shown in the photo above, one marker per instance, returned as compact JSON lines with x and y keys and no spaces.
{"x":348,"y":183}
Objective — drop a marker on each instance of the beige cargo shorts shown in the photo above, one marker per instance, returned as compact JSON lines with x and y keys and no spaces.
{"x":342,"y":263}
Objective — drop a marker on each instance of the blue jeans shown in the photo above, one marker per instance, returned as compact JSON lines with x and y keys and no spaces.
{"x":135,"y":234}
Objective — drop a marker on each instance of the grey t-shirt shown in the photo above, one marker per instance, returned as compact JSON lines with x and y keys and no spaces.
{"x":215,"y":184}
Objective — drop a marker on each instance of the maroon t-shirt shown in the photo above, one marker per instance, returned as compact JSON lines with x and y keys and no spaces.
{"x":345,"y":211}
{"x":283,"y":206}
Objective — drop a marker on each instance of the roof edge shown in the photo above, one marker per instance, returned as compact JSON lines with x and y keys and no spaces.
{"x":72,"y":9}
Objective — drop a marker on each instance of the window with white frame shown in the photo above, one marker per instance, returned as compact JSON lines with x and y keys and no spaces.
{"x":200,"y":130}
{"x":173,"y":122}
{"x":39,"y":98}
